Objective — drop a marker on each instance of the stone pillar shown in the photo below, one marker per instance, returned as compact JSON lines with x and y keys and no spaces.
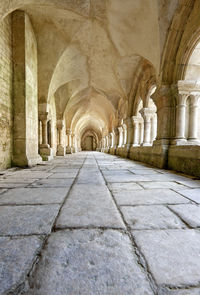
{"x":135,"y":121}
{"x":129,"y":124}
{"x":116,"y":138}
{"x":120,"y":136}
{"x":111,"y":140}
{"x":68,"y":147}
{"x":180,"y":118}
{"x":147,"y":114}
{"x":104,"y":142}
{"x":73,"y":142}
{"x":43,"y":119}
{"x":24,"y":91}
{"x":45,"y":151}
{"x":193,"y":119}
{"x":107,"y":141}
{"x":60,"y":147}
{"x":124,"y":135}
{"x":163,"y":99}
{"x":141,"y":131}
{"x":153,"y":127}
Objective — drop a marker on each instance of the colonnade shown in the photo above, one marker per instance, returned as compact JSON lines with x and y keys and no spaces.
{"x":133,"y":131}
{"x":187,"y":111}
{"x":176,"y":122}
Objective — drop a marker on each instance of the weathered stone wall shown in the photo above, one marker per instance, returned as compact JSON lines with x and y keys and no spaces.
{"x":5,"y":93}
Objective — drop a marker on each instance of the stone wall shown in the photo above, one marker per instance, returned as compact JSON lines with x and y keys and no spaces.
{"x":5,"y":93}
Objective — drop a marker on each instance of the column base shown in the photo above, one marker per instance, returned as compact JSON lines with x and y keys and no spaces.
{"x":193,"y":141}
{"x":74,"y":150}
{"x":113,"y":151}
{"x":154,"y":155}
{"x":26,"y":161}
{"x":46,"y":153}
{"x":179,"y":141}
{"x":60,"y":150}
{"x":69,"y":150}
{"x":146,"y":144}
{"x":162,"y":141}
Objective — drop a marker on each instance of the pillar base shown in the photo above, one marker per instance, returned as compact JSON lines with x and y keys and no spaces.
{"x":26,"y":161}
{"x":112,"y":151}
{"x":193,"y":141}
{"x":146,"y":144}
{"x":46,"y":153}
{"x":60,"y":150}
{"x":69,"y":150}
{"x":179,"y":141}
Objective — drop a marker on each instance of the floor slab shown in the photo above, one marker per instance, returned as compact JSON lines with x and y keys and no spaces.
{"x":151,"y":217}
{"x":16,"y":260}
{"x":27,"y":220}
{"x":147,"y":197}
{"x":192,"y":194}
{"x":89,"y":206}
{"x":190,"y":213}
{"x":32,"y":196}
{"x":53,"y":182}
{"x":164,"y":184}
{"x":172,"y":255}
{"x":89,"y":263}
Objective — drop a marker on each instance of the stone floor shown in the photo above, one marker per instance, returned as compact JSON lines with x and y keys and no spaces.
{"x":96,"y":224}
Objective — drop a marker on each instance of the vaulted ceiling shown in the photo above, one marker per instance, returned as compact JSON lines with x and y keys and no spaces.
{"x":89,"y":52}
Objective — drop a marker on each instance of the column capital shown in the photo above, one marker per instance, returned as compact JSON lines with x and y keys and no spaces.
{"x":124,"y":126}
{"x":116,"y":131}
{"x":43,"y":116}
{"x":136,"y":119}
{"x":188,"y":87}
{"x":194,"y":100}
{"x":147,"y":113}
{"x":120,"y":128}
{"x":60,"y":124}
{"x":128,"y":122}
{"x":162,"y":97}
{"x":68,"y":131}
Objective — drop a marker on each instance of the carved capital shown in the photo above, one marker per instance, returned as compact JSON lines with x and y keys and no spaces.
{"x":43,"y":116}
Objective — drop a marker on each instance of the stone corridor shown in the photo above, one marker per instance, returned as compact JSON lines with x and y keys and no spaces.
{"x":91,"y":223}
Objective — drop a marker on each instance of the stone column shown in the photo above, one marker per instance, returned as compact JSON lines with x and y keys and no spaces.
{"x":147,"y":114}
{"x":68,"y":147}
{"x":60,"y":147}
{"x":45,"y":151}
{"x":104,"y":142}
{"x":116,"y":137}
{"x":163,"y":99}
{"x":24,"y":91}
{"x":43,"y":119}
{"x":180,"y":118}
{"x":72,"y":142}
{"x":120,"y":136}
{"x":129,"y":124}
{"x":141,"y":131}
{"x":153,"y":127}
{"x":135,"y":121}
{"x":193,"y":119}
{"x":111,"y":140}
{"x":124,"y":135}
